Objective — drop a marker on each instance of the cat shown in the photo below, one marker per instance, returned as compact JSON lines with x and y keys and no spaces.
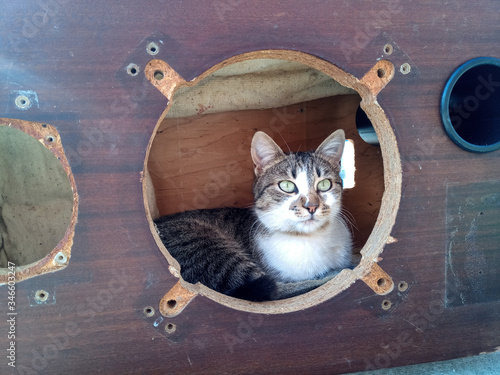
{"x":291,"y":241}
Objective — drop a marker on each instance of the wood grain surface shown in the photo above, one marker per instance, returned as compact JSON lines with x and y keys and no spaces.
{"x":74,"y":56}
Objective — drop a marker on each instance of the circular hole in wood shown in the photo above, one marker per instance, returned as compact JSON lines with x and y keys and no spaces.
{"x":405,"y":68}
{"x":41,"y":295}
{"x":402,"y":286}
{"x":469,"y":105}
{"x":153,"y":48}
{"x":172,"y":303}
{"x":386,"y":304}
{"x":159,"y":75}
{"x":49,"y":138}
{"x":61,"y":258}
{"x":22,"y":102}
{"x":226,"y":176}
{"x":170,"y":328}
{"x":381,"y":282}
{"x":38,"y":204}
{"x":388,"y":49}
{"x":381,"y":73}
{"x":133,"y":69}
{"x":148,"y":311}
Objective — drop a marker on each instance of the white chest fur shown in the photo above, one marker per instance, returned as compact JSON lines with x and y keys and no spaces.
{"x":301,"y":257}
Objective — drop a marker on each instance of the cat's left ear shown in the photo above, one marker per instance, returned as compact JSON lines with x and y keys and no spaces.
{"x":333,"y":147}
{"x":265,"y":152}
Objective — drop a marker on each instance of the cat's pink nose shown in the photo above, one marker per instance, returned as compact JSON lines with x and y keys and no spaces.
{"x":311,"y":207}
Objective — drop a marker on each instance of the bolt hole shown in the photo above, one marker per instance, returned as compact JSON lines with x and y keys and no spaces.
{"x":22,"y":102}
{"x":170,"y":328}
{"x":159,"y":75}
{"x":386,"y":304}
{"x":41,"y":295}
{"x":405,"y":68}
{"x":149,"y":311}
{"x":171,"y":303}
{"x":153,"y":48}
{"x":49,"y":138}
{"x":388,"y":49}
{"x":381,"y":282}
{"x":381,"y":73}
{"x":402,"y":286}
{"x":61,"y":258}
{"x":133,"y":69}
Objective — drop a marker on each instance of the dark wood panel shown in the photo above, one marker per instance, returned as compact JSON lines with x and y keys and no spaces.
{"x":73,"y":54}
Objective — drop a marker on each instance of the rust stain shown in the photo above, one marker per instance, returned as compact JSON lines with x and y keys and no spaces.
{"x":163,"y":77}
{"x":50,"y":138}
{"x":378,"y":77}
{"x":202,"y":108}
{"x":176,"y":300}
{"x":378,"y":280}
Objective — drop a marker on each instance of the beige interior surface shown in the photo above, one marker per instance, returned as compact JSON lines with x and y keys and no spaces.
{"x":36,"y":199}
{"x":203,"y":161}
{"x":255,"y":84}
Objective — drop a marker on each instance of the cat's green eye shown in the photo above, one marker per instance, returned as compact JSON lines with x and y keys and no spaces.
{"x":324,"y":185}
{"x":287,"y":186}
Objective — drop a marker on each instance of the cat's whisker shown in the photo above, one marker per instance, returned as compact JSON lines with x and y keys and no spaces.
{"x":286,"y":144}
{"x":349,"y":219}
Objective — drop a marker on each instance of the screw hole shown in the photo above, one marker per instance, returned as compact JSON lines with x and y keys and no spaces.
{"x":149,"y":311}
{"x":381,"y":282}
{"x":170,"y":328}
{"x":41,"y":296}
{"x":388,"y":49}
{"x":61,"y":258}
{"x":405,"y":68}
{"x":159,"y":75}
{"x":171,"y":303}
{"x":49,"y":138}
{"x":381,"y":73}
{"x":402,"y":286}
{"x":22,"y":102}
{"x":153,"y":48}
{"x":386,"y":304}
{"x":133,"y":69}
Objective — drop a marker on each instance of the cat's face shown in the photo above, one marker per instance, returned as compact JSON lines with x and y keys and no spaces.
{"x":299,"y":192}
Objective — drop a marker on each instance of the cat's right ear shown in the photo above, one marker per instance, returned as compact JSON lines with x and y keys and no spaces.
{"x":265,"y":152}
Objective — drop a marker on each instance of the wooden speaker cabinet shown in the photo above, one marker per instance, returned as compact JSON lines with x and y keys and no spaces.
{"x":96,"y":87}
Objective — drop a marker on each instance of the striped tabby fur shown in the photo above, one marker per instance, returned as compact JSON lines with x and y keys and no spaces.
{"x":291,"y":241}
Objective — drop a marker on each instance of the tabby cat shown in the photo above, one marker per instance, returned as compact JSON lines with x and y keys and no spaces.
{"x":292,"y":240}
